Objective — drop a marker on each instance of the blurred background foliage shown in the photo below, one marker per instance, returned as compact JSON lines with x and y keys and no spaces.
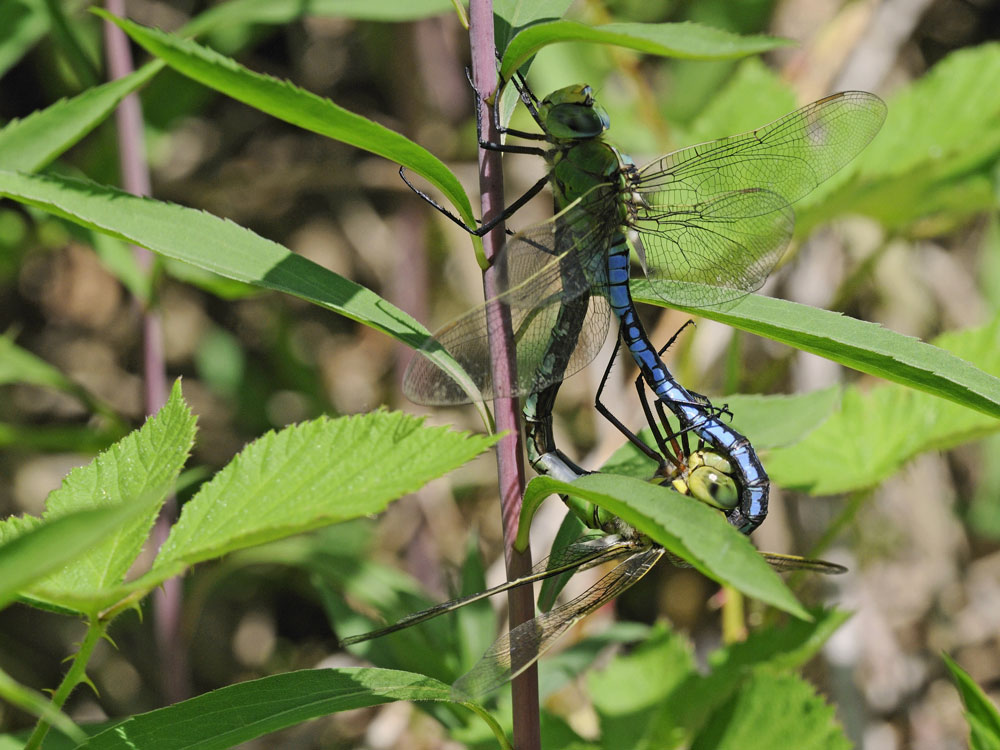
{"x":918,"y":252}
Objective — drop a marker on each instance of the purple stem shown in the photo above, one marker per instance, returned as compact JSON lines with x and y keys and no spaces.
{"x":174,"y":668}
{"x":510,"y":463}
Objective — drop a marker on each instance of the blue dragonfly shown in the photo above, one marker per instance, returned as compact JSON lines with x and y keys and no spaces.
{"x":704,"y":475}
{"x":707,"y":224}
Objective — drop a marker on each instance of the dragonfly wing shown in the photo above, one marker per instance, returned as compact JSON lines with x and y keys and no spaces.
{"x":541,"y":270}
{"x":787,"y":158}
{"x":716,"y":251}
{"x":794,"y":562}
{"x":521,"y":647}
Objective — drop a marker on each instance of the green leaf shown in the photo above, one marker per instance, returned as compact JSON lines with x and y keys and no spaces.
{"x":28,"y":145}
{"x":22,"y":23}
{"x":866,"y":347}
{"x":684,"y":526}
{"x":772,"y":711}
{"x":37,"y":704}
{"x":281,"y":12}
{"x":311,"y":475}
{"x":30,"y":548}
{"x":296,"y":106}
{"x":982,"y":715}
{"x":935,"y":169}
{"x":693,"y":701}
{"x":140,"y":468}
{"x":239,"y":713}
{"x":628,"y":692}
{"x":683,"y":40}
{"x":876,"y":430}
{"x":216,"y":245}
{"x":18,"y":365}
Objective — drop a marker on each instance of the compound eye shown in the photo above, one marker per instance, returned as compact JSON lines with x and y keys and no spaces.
{"x":709,"y":481}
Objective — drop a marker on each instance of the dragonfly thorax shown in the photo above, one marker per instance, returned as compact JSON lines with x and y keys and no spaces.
{"x":571,"y":113}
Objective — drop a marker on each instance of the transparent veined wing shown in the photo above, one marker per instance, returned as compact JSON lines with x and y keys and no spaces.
{"x":522,"y":646}
{"x":546,"y":273}
{"x":785,"y":563}
{"x":712,"y":252}
{"x":692,"y":205}
{"x":585,"y":553}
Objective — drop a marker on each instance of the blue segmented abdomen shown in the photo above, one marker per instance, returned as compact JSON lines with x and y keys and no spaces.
{"x":749,"y":474}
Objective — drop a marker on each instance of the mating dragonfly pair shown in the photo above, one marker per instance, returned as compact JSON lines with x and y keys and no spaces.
{"x":707,"y":223}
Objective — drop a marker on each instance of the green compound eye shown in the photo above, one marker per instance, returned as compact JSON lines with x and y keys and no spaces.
{"x":709,"y":480}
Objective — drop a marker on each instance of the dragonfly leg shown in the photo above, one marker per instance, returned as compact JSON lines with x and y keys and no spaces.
{"x":482,"y":230}
{"x":606,"y":413}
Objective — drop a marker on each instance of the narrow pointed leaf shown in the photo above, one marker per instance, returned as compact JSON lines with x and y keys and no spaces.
{"x":239,"y":713}
{"x":297,"y":106}
{"x":980,"y":712}
{"x":866,"y":347}
{"x":216,"y":245}
{"x":683,"y":525}
{"x":30,"y":548}
{"x":29,"y":144}
{"x":243,"y":12}
{"x":682,"y":40}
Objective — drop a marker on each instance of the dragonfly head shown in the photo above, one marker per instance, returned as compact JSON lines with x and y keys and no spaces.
{"x":709,"y":479}
{"x":572,"y":113}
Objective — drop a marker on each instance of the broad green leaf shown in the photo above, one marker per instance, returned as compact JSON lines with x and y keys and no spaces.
{"x":555,"y":671}
{"x":216,"y":245}
{"x":280,"y":12}
{"x":139,"y":468}
{"x":866,"y":347}
{"x":22,"y":23}
{"x":28,"y":145}
{"x":980,"y":712}
{"x":684,"y":526}
{"x":786,"y":647}
{"x":752,"y":97}
{"x":683,"y":40}
{"x":877,"y":429}
{"x":313,"y":474}
{"x":296,"y":106}
{"x":30,"y":548}
{"x":38,"y":705}
{"x":239,"y":713}
{"x":771,"y":711}
{"x":935,"y":169}
{"x":628,"y":692}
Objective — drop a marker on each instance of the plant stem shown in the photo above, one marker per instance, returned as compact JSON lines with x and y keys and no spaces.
{"x":77,"y":673}
{"x":136,"y":180}
{"x":510,"y":463}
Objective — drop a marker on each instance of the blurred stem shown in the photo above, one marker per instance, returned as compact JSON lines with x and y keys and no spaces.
{"x":510,"y":464}
{"x":136,"y":180}
{"x":77,"y":673}
{"x":62,"y":31}
{"x":734,"y":628}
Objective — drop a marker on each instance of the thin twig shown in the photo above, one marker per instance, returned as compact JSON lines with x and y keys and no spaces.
{"x":136,"y":180}
{"x":510,"y":463}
